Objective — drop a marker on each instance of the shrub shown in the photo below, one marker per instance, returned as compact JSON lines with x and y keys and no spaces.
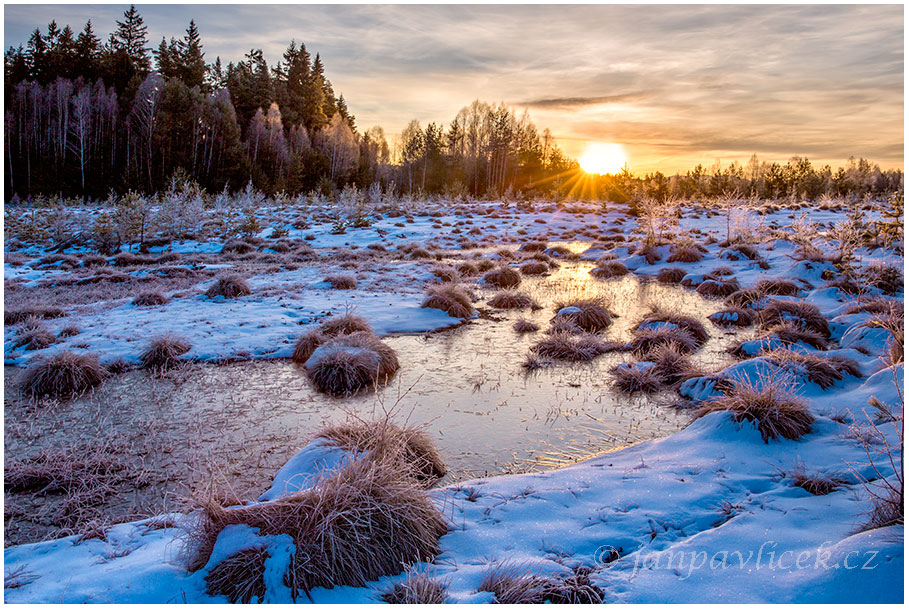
{"x":351,"y":363}
{"x":360,"y":522}
{"x":685,"y":252}
{"x":591,"y":315}
{"x":502,"y":277}
{"x":150,"y":299}
{"x":512,"y":300}
{"x":718,"y":289}
{"x":637,"y":378}
{"x":609,"y":269}
{"x":417,"y":589}
{"x":384,"y":440}
{"x":534,"y":267}
{"x":573,"y":347}
{"x":523,"y":326}
{"x":671,"y":275}
{"x":733,"y":317}
{"x":451,"y":298}
{"x":229,"y":286}
{"x":342,"y":282}
{"x":770,"y":405}
{"x":63,"y":375}
{"x":691,"y":325}
{"x":163,"y":352}
{"x":802,"y":314}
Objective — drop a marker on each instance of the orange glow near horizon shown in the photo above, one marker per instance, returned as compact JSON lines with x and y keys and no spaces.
{"x":603,"y":157}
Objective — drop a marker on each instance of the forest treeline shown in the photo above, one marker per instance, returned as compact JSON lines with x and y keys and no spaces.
{"x":85,"y":118}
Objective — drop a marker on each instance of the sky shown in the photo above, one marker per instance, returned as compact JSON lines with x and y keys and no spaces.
{"x":673,"y":85}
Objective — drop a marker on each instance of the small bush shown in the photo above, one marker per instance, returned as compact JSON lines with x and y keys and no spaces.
{"x":671,"y":275}
{"x":502,"y":277}
{"x":609,"y":270}
{"x":360,"y":522}
{"x":351,"y":363}
{"x":229,"y":286}
{"x":63,"y":375}
{"x":342,"y":282}
{"x":385,"y":440}
{"x":802,"y":314}
{"x":164,"y":352}
{"x":451,"y":298}
{"x":523,"y":326}
{"x":637,"y":378}
{"x":590,"y":315}
{"x":771,"y":406}
{"x":150,"y":299}
{"x":512,"y":300}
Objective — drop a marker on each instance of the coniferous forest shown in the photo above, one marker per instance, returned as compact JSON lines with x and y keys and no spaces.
{"x":85,"y":118}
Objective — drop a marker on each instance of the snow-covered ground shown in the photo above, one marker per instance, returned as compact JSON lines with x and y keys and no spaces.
{"x":706,"y":514}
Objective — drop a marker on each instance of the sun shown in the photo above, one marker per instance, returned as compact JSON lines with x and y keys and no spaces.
{"x":602,"y":157}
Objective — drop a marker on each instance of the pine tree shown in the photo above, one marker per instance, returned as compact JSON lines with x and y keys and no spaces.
{"x":192,"y":59}
{"x":88,"y":49}
{"x":131,"y":37}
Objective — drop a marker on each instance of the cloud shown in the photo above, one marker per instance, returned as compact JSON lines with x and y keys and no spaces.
{"x":563,"y":103}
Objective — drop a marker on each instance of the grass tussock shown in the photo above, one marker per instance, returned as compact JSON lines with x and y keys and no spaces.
{"x":711,"y":288}
{"x":733,"y":317}
{"x":451,"y":298}
{"x":17,"y":316}
{"x":502,"y":277}
{"x":821,"y":370}
{"x":150,"y":299}
{"x":609,"y":270}
{"x":240,"y":577}
{"x":815,"y":483}
{"x":672,"y":365}
{"x":524,"y":326}
{"x":534,"y":267}
{"x":647,"y":340}
{"x":164,"y":352}
{"x":351,"y":363}
{"x":797,"y":313}
{"x":339,"y":325}
{"x":521,"y":584}
{"x":573,"y":347}
{"x":637,"y":378}
{"x":411,"y":446}
{"x":777,"y":287}
{"x":358,"y":523}
{"x":770,"y":405}
{"x":33,"y":335}
{"x":746,"y":298}
{"x":229,"y":286}
{"x":512,"y":299}
{"x":342,"y":282}
{"x":685,"y":252}
{"x":691,"y":325}
{"x":791,"y":334}
{"x":417,"y":589}
{"x":590,"y":315}
{"x":671,"y":275}
{"x":63,"y":375}
{"x":306,"y":344}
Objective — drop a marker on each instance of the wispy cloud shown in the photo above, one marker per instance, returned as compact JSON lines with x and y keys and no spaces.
{"x":676,"y":84}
